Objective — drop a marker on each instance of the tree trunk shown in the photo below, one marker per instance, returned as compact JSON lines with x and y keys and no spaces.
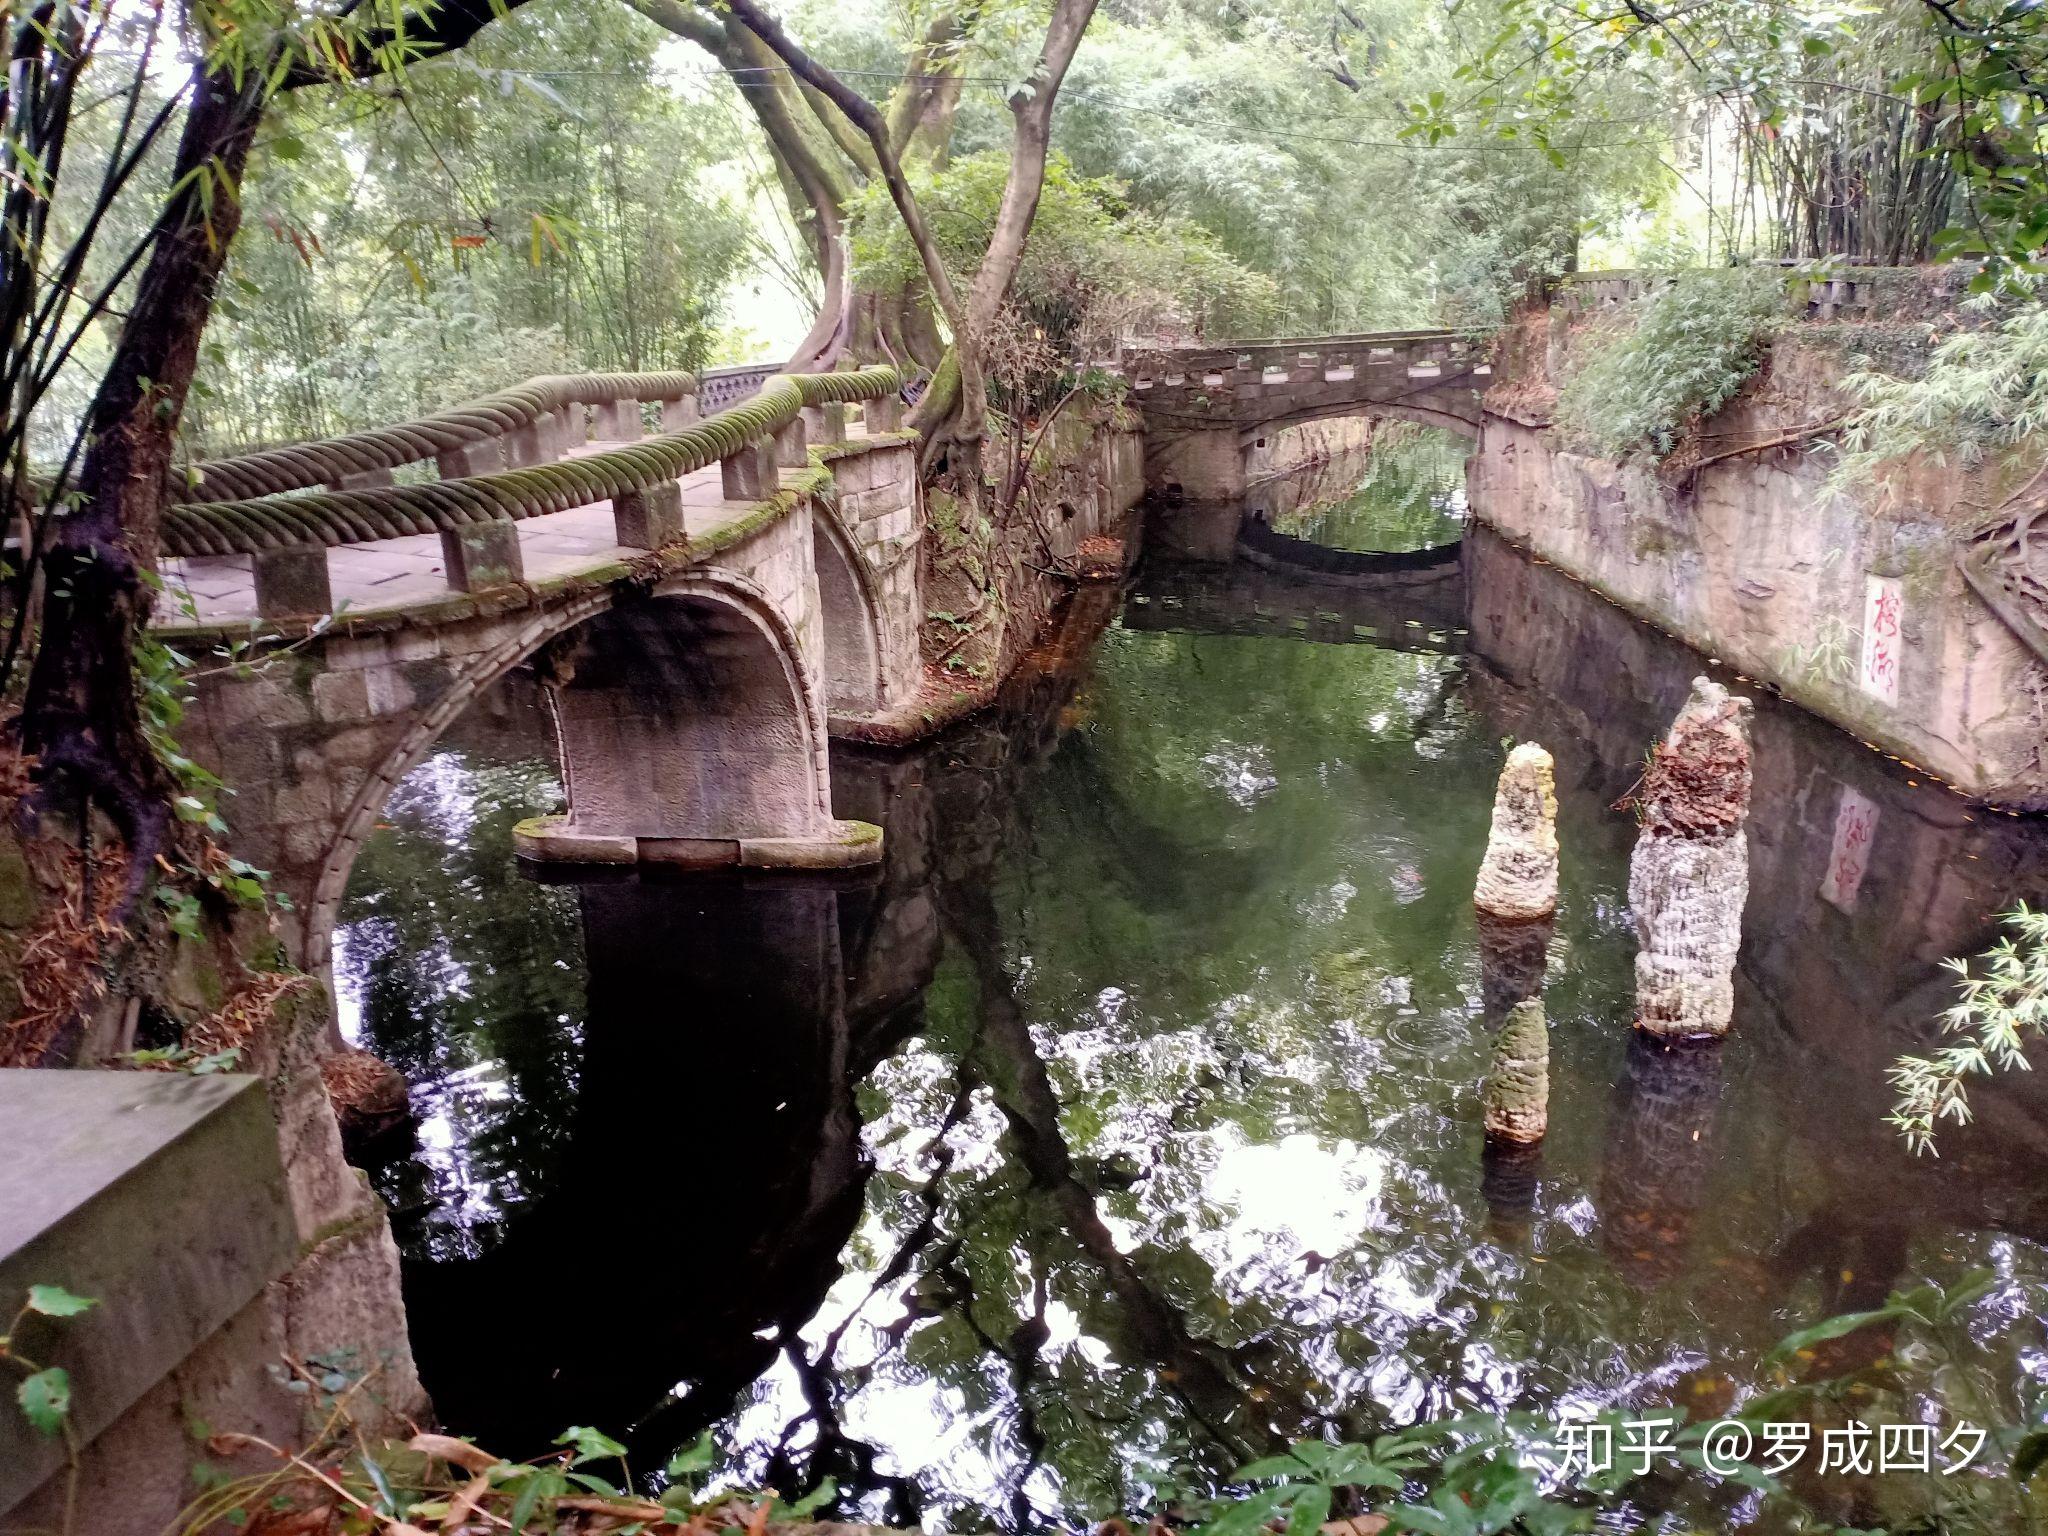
{"x":82,"y":719}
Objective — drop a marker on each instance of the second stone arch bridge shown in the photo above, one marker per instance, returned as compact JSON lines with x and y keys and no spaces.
{"x":1210,"y":411}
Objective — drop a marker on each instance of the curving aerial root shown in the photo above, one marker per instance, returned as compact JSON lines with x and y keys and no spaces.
{"x":2004,"y":566}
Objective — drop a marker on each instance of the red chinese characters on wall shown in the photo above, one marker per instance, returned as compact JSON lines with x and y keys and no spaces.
{"x":1883,"y":637}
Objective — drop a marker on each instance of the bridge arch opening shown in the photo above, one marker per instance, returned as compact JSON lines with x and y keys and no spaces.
{"x":688,"y":717}
{"x":690,"y":714}
{"x":851,"y":664}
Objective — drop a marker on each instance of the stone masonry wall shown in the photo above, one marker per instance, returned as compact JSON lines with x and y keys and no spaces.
{"x":877,"y":496}
{"x":1849,"y":603}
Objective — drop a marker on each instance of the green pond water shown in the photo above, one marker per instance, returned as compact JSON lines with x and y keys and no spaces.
{"x":1126,"y":1122}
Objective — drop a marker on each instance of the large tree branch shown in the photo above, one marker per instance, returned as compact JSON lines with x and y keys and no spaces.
{"x":1031,"y":109}
{"x":425,"y":33}
{"x":868,"y":118}
{"x":816,"y":182}
{"x":686,"y":21}
{"x":923,"y":106}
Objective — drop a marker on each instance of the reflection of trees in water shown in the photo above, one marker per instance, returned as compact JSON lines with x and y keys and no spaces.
{"x":434,"y":949}
{"x":1153,"y":960}
{"x":1085,"y":1213}
{"x":1409,"y":495}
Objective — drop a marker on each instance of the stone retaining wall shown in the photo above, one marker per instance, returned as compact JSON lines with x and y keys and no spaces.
{"x":1850,"y":603}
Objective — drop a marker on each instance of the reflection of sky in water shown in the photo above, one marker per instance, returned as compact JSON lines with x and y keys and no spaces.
{"x":438,"y":861}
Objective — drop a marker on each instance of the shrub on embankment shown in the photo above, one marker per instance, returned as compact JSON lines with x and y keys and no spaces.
{"x":1673,"y":356}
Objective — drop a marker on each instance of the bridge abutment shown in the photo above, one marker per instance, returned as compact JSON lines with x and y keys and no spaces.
{"x":1201,"y":464}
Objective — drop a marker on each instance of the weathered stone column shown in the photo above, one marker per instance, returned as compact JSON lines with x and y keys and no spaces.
{"x":649,"y":519}
{"x":1689,"y":876}
{"x":825,"y":423}
{"x":883,"y":415}
{"x":749,"y":473}
{"x":615,"y":421}
{"x":1516,"y":892}
{"x":1518,"y":877}
{"x":790,"y":447}
{"x":483,"y":457}
{"x":480,"y":555}
{"x":292,"y":583}
{"x":1518,"y":1086}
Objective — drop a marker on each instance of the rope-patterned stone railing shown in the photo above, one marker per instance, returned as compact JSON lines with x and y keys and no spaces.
{"x":529,"y":423}
{"x":476,"y":517}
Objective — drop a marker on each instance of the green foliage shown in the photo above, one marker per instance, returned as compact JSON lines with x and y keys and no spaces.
{"x":1931,"y":1305}
{"x":1096,"y":262}
{"x":1480,"y":1473}
{"x":55,"y":1301}
{"x":1484,"y":1474}
{"x":1886,"y":132}
{"x":1680,"y":354}
{"x":2003,"y":1007}
{"x":590,"y":1444}
{"x":1983,"y":393}
{"x":44,"y":1392}
{"x":1279,"y":130}
{"x":45,"y":1399}
{"x":506,"y":217}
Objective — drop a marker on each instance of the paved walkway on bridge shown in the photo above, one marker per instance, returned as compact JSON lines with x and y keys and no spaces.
{"x":402,"y":573}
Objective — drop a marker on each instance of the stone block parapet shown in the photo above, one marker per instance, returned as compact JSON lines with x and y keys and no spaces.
{"x":159,"y":1196}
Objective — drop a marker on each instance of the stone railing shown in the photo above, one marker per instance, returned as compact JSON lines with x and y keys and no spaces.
{"x":1850,"y":293}
{"x":1248,"y":366}
{"x":288,"y":536}
{"x":530,"y":423}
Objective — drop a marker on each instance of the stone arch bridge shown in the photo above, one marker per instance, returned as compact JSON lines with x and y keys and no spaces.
{"x":1209,"y":412}
{"x":704,"y":603}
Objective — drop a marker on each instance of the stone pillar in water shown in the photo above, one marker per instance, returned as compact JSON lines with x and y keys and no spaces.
{"x":1516,"y":901}
{"x":1518,"y":877}
{"x":1689,"y":877}
{"x":1516,"y":893}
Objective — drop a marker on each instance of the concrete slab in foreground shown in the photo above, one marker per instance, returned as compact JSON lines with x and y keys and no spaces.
{"x":158,"y":1194}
